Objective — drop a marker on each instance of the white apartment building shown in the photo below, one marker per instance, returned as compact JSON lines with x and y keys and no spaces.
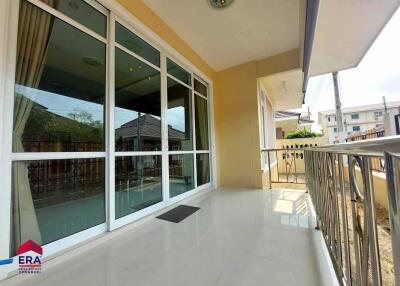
{"x":357,"y":119}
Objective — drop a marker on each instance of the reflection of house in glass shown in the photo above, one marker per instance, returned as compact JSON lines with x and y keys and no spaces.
{"x":144,"y":133}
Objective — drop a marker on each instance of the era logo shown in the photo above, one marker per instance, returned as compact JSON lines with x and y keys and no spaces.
{"x":29,"y":260}
{"x":29,"y":257}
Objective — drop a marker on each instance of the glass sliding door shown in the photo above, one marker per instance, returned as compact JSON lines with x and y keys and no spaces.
{"x":137,"y":110}
{"x":54,"y":113}
{"x":181,"y":175}
{"x":202,"y":132}
{"x":64,"y":197}
{"x":106,"y":126}
{"x":179,"y":117}
{"x":137,"y":124}
{"x":180,"y":130}
{"x":137,"y":183}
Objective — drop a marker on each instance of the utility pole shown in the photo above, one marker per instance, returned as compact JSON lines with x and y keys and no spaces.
{"x":384,"y":104}
{"x":388,"y":125}
{"x":338,"y":105}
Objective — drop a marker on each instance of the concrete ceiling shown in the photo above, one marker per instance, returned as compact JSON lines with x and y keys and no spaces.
{"x":247,"y":30}
{"x":285,"y":89}
{"x":345,"y":30}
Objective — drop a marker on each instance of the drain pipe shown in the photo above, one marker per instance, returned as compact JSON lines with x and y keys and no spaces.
{"x":311,"y":22}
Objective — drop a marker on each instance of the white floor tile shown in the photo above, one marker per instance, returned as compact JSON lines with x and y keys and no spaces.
{"x":238,"y":237}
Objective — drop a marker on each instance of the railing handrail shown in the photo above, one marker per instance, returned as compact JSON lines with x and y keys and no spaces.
{"x":366,"y":153}
{"x":347,"y":217}
{"x":364,"y":144}
{"x":281,"y":149}
{"x":368,"y":142}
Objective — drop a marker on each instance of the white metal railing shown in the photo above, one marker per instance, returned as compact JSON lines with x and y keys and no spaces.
{"x":342,"y":184}
{"x":340,"y":181}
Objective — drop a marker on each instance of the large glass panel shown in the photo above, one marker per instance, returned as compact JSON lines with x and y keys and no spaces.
{"x":137,"y":183}
{"x":60,"y":86}
{"x":179,"y":117}
{"x":203,"y":169}
{"x":200,"y":87}
{"x":178,"y":72}
{"x":201,"y":123}
{"x":137,"y":105}
{"x":180,"y":174}
{"x":135,"y":44}
{"x":81,"y":12}
{"x":52,"y":199}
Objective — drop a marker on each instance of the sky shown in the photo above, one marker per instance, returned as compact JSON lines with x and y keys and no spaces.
{"x":377,"y":75}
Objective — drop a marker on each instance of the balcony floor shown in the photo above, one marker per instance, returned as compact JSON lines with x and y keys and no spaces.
{"x":238,"y":237}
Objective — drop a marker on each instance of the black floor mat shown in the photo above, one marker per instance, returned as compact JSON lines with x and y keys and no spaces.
{"x":178,"y":214}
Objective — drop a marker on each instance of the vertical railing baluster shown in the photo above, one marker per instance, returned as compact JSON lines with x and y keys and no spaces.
{"x":345,"y":230}
{"x":269,"y":170}
{"x":336,"y":218}
{"x":372,"y":233}
{"x":277,"y":164}
{"x":355,"y":220}
{"x":393,"y":185}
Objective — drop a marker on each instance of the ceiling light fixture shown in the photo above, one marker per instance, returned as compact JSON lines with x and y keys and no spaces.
{"x":92,"y":61}
{"x":218,"y":4}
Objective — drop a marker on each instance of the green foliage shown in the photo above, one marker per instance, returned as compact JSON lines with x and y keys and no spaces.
{"x":77,"y":126}
{"x":302,"y":134}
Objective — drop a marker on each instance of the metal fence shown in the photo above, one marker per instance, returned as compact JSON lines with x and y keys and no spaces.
{"x":341,"y":186}
{"x":285,"y":165}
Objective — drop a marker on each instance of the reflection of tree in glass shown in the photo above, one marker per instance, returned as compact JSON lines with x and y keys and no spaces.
{"x":85,"y":117}
{"x":47,"y":131}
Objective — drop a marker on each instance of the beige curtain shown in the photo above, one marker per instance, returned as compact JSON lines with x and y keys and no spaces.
{"x":33,"y":35}
{"x":202,"y":126}
{"x":202,"y":132}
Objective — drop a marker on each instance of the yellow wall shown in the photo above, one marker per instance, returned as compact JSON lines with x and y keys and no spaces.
{"x":287,"y":125}
{"x":291,"y":143}
{"x":283,"y":143}
{"x":237,"y":122}
{"x":143,"y":13}
{"x":237,"y":127}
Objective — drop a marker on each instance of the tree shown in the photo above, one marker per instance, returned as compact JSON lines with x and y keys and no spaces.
{"x":302,"y":134}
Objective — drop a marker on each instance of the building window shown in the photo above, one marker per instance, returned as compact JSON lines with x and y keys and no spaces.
{"x":201,"y":123}
{"x":378,"y":113}
{"x":179,"y":117}
{"x":69,"y":115}
{"x":356,"y":128}
{"x":137,"y":183}
{"x":53,"y":110}
{"x":53,"y":199}
{"x":329,"y":119}
{"x":137,"y":112}
{"x":335,"y":129}
{"x":355,"y":116}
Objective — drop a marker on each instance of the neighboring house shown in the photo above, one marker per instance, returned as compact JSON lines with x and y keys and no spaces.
{"x":144,"y":133}
{"x":376,"y":132}
{"x":357,"y":119}
{"x":288,"y":121}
